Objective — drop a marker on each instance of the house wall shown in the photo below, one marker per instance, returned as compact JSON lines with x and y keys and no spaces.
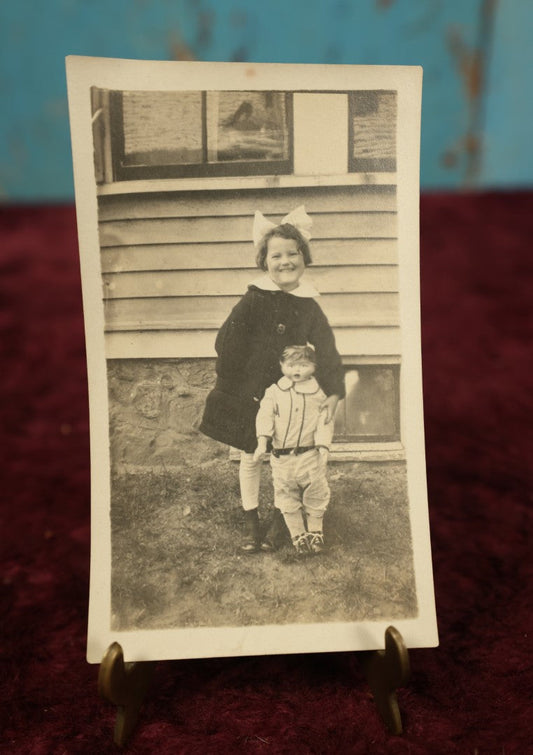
{"x":175,"y":263}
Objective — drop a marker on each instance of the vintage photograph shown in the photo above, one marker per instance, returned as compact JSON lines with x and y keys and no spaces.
{"x":249,"y":249}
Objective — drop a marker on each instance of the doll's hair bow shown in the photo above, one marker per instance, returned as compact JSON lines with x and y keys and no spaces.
{"x":297,"y":218}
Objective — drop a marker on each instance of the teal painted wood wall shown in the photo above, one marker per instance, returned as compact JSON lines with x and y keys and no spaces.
{"x":476,"y":54}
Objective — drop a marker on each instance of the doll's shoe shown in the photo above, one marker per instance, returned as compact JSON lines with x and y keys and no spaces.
{"x":251,"y":539}
{"x":315,"y":541}
{"x":300,"y":543}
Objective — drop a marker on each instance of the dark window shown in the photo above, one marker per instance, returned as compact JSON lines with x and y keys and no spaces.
{"x":174,"y":134}
{"x":372,"y":135}
{"x":371,"y":409}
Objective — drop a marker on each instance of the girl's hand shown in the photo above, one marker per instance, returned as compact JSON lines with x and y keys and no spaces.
{"x":330,"y":405}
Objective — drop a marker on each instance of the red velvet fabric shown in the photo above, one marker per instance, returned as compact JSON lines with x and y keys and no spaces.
{"x":472,"y":694}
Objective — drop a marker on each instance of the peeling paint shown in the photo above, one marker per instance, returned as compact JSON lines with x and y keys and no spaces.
{"x":471,"y":64}
{"x":179,"y":50}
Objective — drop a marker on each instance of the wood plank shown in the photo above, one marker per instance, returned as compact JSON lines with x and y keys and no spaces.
{"x":245,"y":202}
{"x":172,"y":312}
{"x":377,"y":278}
{"x":148,"y":345}
{"x":357,"y":319}
{"x":349,"y":450}
{"x":209,"y":229}
{"x":181,"y":344}
{"x":361,"y":309}
{"x":242,"y":183}
{"x":242,"y":254}
{"x":369,"y":278}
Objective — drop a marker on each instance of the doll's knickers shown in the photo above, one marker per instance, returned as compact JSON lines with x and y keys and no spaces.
{"x":300,"y":483}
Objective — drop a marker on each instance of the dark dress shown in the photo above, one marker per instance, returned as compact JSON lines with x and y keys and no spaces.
{"x":249,"y":345}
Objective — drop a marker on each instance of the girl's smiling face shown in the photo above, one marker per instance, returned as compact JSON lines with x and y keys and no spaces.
{"x":284,"y":262}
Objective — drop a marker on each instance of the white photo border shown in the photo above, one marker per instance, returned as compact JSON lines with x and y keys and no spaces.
{"x":140,"y":645}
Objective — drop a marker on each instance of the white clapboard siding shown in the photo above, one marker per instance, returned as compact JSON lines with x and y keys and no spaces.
{"x":175,"y":263}
{"x":230,"y":282}
{"x":184,"y":312}
{"x":237,"y":228}
{"x":353,"y":342}
{"x":209,"y":256}
{"x":278,"y":203}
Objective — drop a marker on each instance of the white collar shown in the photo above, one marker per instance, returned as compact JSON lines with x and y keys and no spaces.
{"x":306,"y":386}
{"x":305,"y":289}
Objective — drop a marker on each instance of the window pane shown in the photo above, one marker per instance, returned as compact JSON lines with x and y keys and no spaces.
{"x":370,"y":409}
{"x":246,"y":126}
{"x":162,"y":128}
{"x":373,"y":124}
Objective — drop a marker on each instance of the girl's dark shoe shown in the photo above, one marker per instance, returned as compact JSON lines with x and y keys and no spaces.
{"x":276,"y":533}
{"x":251,"y":541}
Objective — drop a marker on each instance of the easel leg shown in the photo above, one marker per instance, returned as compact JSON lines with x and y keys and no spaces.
{"x":386,"y":670}
{"x":124,"y":685}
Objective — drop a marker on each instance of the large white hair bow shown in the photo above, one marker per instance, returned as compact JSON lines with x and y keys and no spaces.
{"x":298,"y":218}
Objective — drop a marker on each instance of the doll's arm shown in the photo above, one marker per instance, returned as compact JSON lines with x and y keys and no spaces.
{"x":264,"y":423}
{"x":324,"y":431}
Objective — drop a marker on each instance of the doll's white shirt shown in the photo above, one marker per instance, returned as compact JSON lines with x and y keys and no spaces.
{"x":290,"y":414}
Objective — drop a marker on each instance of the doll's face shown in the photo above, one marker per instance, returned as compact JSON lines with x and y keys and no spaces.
{"x":298,"y":370}
{"x":284,"y":262}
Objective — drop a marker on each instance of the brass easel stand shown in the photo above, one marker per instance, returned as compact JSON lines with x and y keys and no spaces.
{"x":385,"y":671}
{"x":125,"y":684}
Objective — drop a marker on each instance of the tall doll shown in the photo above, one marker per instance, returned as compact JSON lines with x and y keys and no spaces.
{"x":279,"y":309}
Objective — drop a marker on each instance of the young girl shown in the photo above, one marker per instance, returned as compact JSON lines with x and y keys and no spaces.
{"x":278,"y":310}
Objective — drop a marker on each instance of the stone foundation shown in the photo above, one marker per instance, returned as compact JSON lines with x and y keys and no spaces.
{"x":155,"y":407}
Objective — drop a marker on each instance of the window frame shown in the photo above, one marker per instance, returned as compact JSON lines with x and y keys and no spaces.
{"x":353,"y":439}
{"x":194,"y":170}
{"x":369,"y":164}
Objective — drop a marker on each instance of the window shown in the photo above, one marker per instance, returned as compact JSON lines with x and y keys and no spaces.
{"x":371,"y":409}
{"x":174,"y":134}
{"x":372,"y":137}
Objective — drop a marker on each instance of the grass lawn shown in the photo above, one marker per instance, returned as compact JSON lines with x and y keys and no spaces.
{"x":176,"y":560}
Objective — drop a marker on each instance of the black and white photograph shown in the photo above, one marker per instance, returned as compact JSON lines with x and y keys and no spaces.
{"x":249,"y":255}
